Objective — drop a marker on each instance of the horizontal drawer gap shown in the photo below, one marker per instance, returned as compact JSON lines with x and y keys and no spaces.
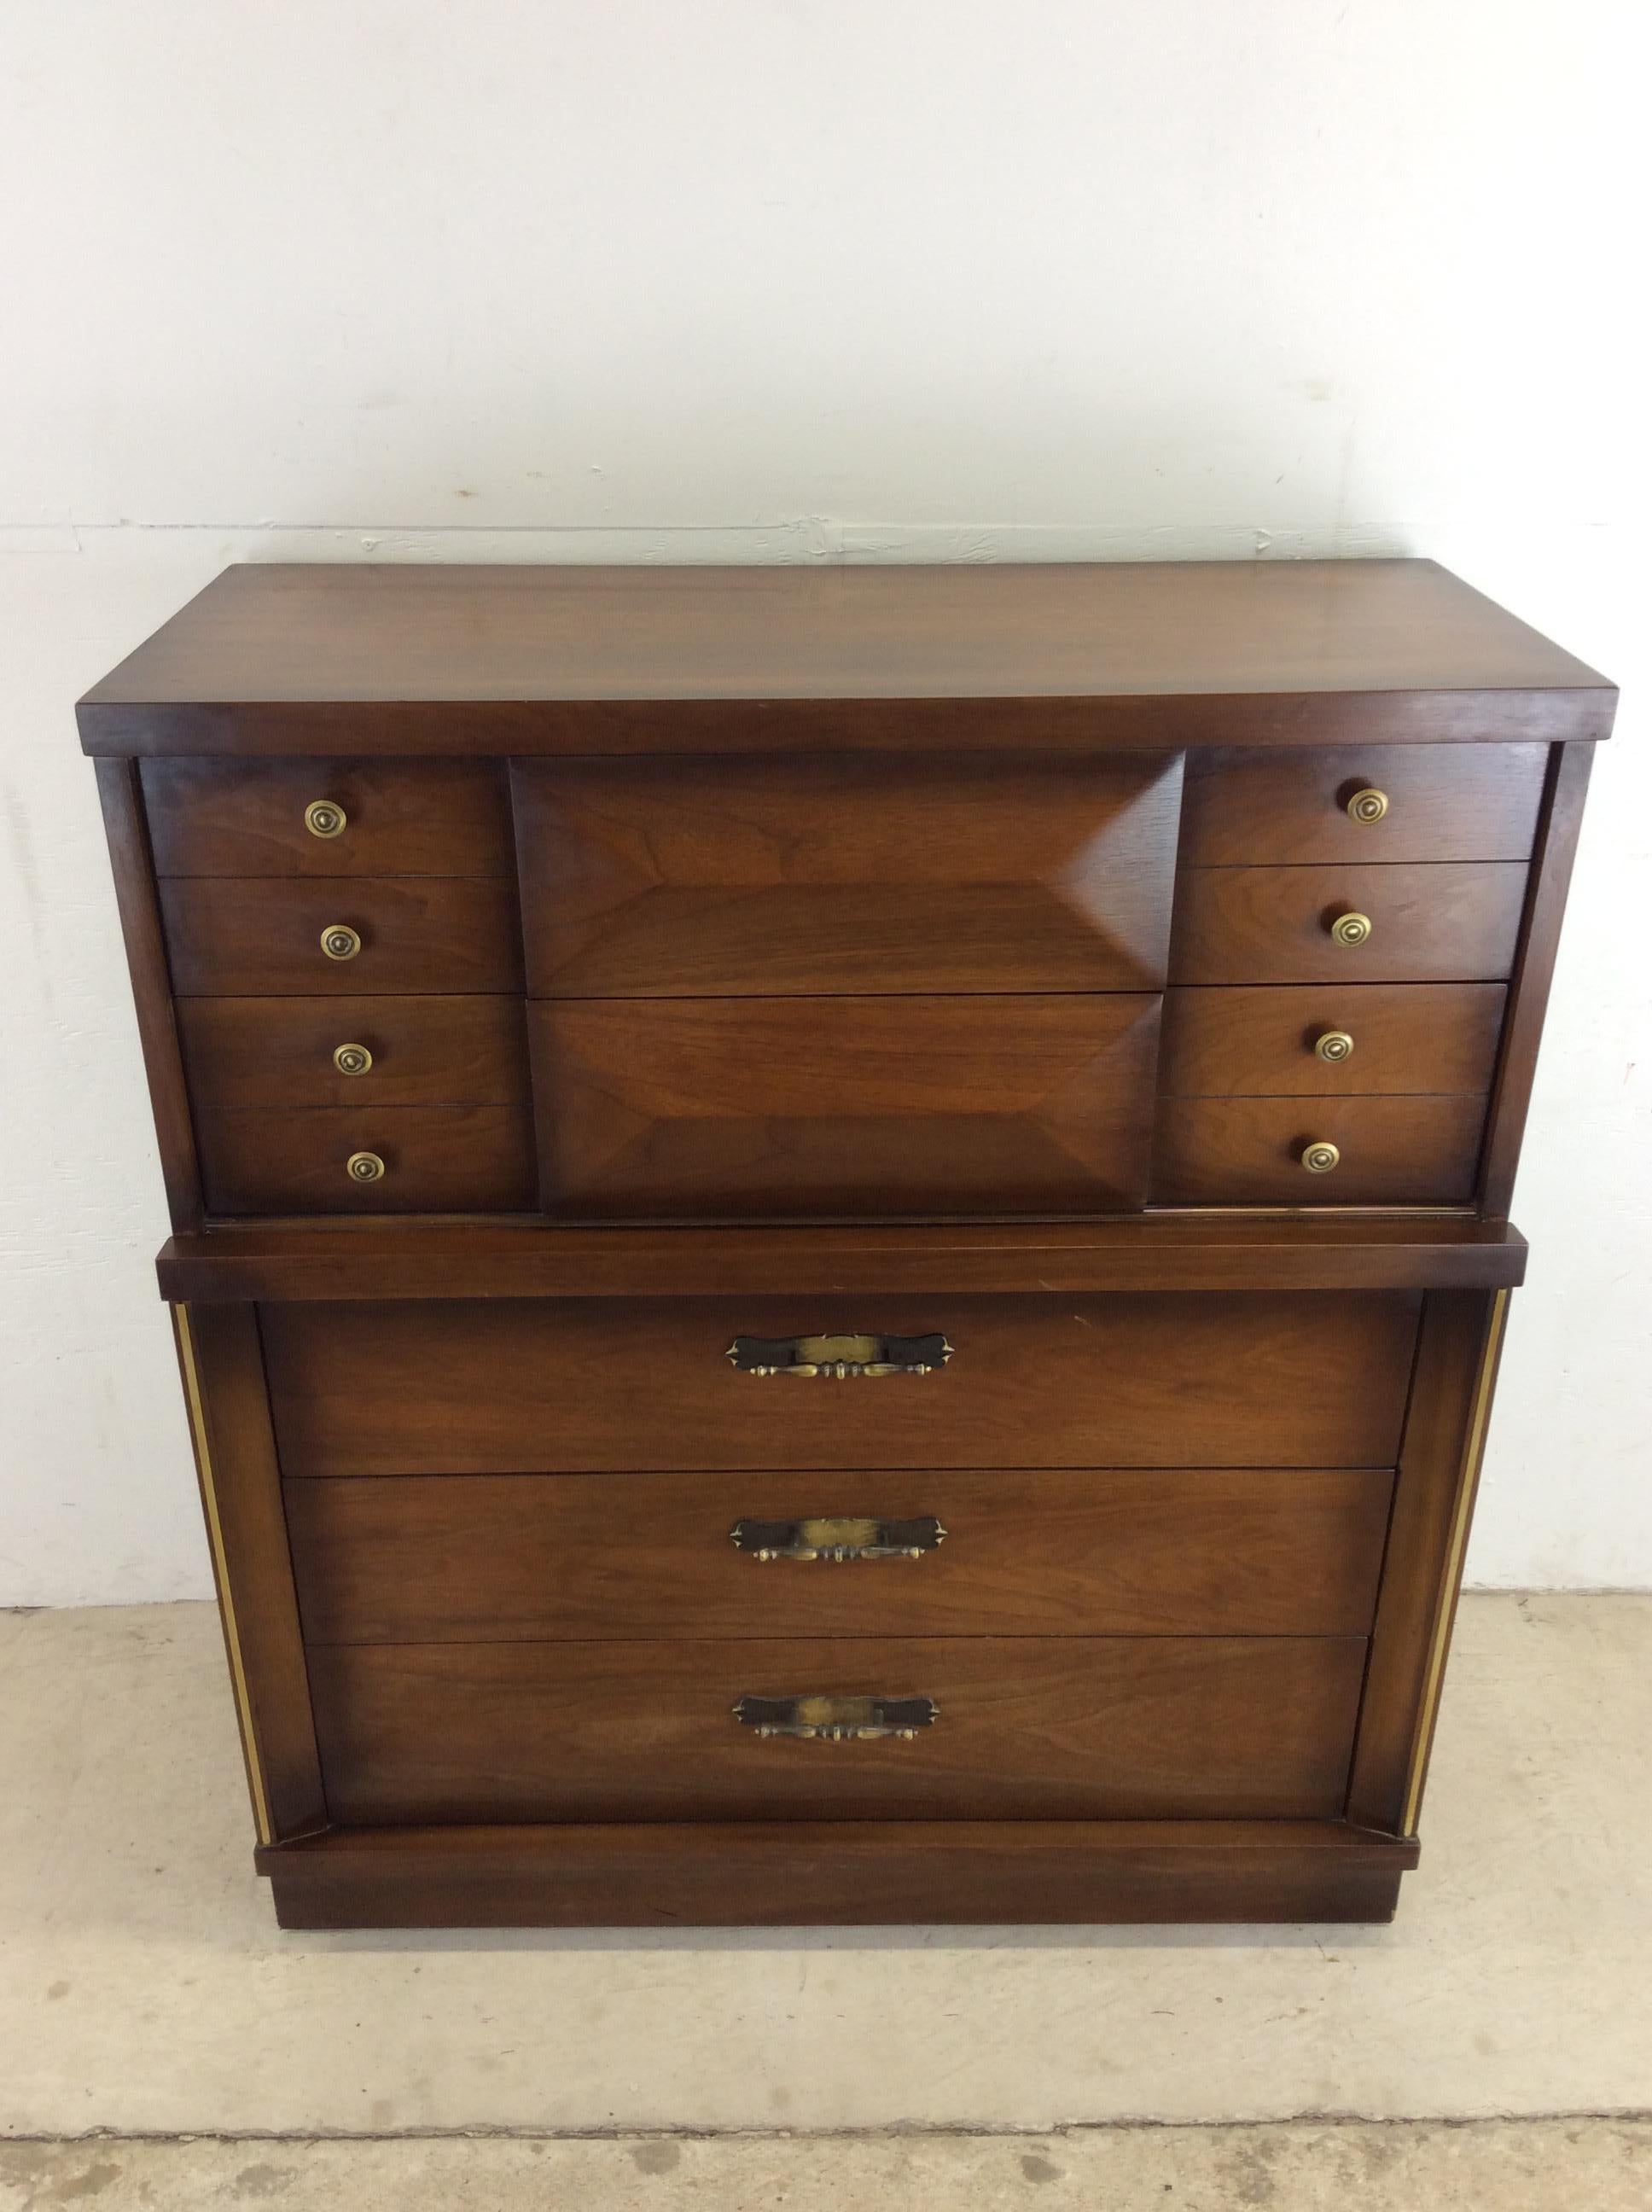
{"x":822,"y":1474}
{"x":881,"y":1635}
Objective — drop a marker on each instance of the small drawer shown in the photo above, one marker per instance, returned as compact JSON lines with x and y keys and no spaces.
{"x":242,"y":1053}
{"x":1176,"y":1551}
{"x":1255,"y":1151}
{"x":847,"y":872}
{"x":1330,"y":1041}
{"x":383,"y":935}
{"x":356,"y":1159}
{"x":1470,"y":802}
{"x":1448,"y":922}
{"x":1050,"y":1727}
{"x":328,"y":817}
{"x":752,"y":1108}
{"x":507,"y":1386}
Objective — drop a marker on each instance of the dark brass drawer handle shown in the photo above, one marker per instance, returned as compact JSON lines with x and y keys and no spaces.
{"x":1352,"y":928}
{"x":340,"y":942}
{"x":1368,"y":806}
{"x":325,"y":818}
{"x":837,"y":1720}
{"x":352,"y":1058}
{"x":365,"y":1167}
{"x":839,"y":1357}
{"x":846,"y":1537}
{"x":1321,"y":1157}
{"x":1334,"y":1045}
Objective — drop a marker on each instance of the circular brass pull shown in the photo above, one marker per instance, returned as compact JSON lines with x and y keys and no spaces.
{"x":1320,"y":1158}
{"x":1335,"y":1045}
{"x":325,"y":818}
{"x":339,"y":941}
{"x":1350,"y":928}
{"x":1368,"y":806}
{"x":365,"y":1167}
{"x":352,"y":1058}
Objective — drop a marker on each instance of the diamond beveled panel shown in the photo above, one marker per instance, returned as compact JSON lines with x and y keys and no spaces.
{"x":832,"y":1107}
{"x":847,"y":872}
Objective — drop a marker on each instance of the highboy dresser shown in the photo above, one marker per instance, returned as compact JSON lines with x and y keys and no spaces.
{"x":839,"y":1236}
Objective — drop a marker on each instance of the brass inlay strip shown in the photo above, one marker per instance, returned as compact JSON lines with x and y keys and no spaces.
{"x":1467,"y":1483}
{"x":188,"y":1363}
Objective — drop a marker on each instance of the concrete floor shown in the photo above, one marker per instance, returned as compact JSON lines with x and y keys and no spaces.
{"x":145,"y":1990}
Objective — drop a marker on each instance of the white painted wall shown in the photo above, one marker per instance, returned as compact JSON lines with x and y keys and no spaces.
{"x":807,"y":280}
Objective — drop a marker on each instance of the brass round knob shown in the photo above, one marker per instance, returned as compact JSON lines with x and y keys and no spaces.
{"x":1335,"y":1045}
{"x":352,"y":1058}
{"x":1320,"y":1158}
{"x":339,"y":941}
{"x":325,"y":818}
{"x":1352,"y":928}
{"x":1368,"y":806}
{"x":365,"y":1167}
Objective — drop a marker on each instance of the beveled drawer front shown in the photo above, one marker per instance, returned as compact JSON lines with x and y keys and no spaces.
{"x":1057,"y":1728}
{"x":524,"y":1386}
{"x":1266,"y":1151}
{"x":1379,"y":803}
{"x":1441,"y":923}
{"x":848,"y":872}
{"x":227,"y":938}
{"x":354,"y":1052}
{"x":832,"y":1106}
{"x":367,"y":1159}
{"x":1329,"y":1040}
{"x":328,"y":817}
{"x":1180,"y":1551}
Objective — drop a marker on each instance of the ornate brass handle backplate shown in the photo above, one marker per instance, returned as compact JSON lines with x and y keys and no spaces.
{"x":837,"y":1720}
{"x":839,"y":1357}
{"x":847,"y":1537}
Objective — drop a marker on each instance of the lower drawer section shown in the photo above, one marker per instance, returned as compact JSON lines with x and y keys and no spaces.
{"x":1317,"y":1151}
{"x":498,"y":1558}
{"x":353,"y":1159}
{"x":1027,"y":1727}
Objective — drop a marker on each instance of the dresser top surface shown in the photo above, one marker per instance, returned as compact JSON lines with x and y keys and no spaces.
{"x":320,"y":634}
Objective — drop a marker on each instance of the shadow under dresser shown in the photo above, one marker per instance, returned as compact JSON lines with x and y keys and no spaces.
{"x":839,"y":1236}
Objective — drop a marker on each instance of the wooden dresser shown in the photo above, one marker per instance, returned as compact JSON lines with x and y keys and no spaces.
{"x":839,"y":1236}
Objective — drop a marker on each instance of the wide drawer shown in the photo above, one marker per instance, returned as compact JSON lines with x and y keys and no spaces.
{"x":502,"y":1558}
{"x":1369,"y":803}
{"x":367,"y":1159}
{"x":707,"y":877}
{"x":833,"y":1106}
{"x":1330,"y":1040}
{"x":229,"y":938}
{"x":354,"y":1052}
{"x":1439,"y":923}
{"x":328,"y":817}
{"x":1277,"y":1151}
{"x":522,"y":1386}
{"x":1055,"y":1727}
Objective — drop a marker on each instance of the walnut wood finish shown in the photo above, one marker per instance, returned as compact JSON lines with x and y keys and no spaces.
{"x":507,"y":1386}
{"x":1165,"y":1252}
{"x":837,"y":1873}
{"x":264,"y":1053}
{"x":225,"y":937}
{"x":1178,"y":1551}
{"x":833,"y":1106}
{"x":222,"y":1374}
{"x":1443,"y":922}
{"x":437,"y":1160}
{"x":847,"y":873}
{"x":1248,"y":1152}
{"x":1259,"y":1041}
{"x":1445,"y":803}
{"x":1031,"y":1727}
{"x":157,"y":1020}
{"x":431,"y":817}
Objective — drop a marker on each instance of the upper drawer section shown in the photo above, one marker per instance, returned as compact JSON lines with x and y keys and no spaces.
{"x":1433,"y":923}
{"x":727,"y":876}
{"x":328,"y":817}
{"x":1381,"y":803}
{"x":378,"y":935}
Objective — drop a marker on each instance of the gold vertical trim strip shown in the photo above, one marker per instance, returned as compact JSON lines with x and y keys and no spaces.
{"x":1467,"y":1483}
{"x":190,"y":1369}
